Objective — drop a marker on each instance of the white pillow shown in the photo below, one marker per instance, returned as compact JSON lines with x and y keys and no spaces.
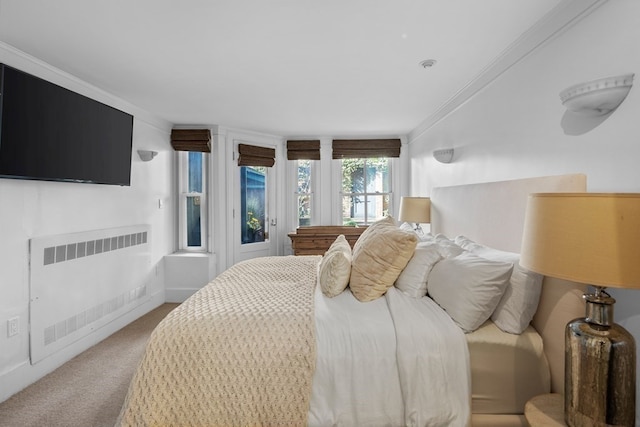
{"x":413,"y":279}
{"x":405,"y":226}
{"x":468,"y":288}
{"x":448,"y":248}
{"x":520,"y":301}
{"x":335,"y":267}
{"x":422,"y":236}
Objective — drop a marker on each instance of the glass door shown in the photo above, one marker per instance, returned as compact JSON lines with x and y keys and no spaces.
{"x":254,"y":219}
{"x":253,"y":204}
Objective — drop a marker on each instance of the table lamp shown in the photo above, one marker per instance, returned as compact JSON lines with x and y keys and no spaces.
{"x":590,"y":238}
{"x":416,"y":210}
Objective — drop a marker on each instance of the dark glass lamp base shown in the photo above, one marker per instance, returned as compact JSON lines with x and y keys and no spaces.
{"x":600,"y":369}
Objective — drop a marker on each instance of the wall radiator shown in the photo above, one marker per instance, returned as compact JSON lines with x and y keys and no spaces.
{"x":81,"y":281}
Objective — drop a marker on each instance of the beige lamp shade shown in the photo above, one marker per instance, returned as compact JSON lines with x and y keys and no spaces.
{"x":591,"y":238}
{"x":415,"y":209}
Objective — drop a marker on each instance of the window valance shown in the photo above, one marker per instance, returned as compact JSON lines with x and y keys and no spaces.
{"x":365,"y":148}
{"x":252,"y":155}
{"x":191,"y":140}
{"x":303,"y":149}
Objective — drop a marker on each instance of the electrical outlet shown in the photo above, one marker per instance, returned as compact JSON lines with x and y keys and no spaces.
{"x":13,"y":326}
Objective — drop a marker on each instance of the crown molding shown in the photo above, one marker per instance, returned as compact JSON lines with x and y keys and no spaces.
{"x":554,"y":23}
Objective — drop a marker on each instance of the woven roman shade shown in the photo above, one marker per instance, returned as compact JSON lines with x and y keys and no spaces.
{"x":303,"y":149}
{"x":365,"y":148}
{"x":251,"y":155}
{"x":191,"y":140}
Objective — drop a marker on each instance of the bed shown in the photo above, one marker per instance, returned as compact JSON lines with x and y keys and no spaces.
{"x":267,"y":343}
{"x":493,"y":213}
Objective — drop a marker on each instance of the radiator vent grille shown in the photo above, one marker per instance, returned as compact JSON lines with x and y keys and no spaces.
{"x":91,"y":315}
{"x":80,"y":282}
{"x":71,"y":251}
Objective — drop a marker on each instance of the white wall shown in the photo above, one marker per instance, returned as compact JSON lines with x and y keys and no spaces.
{"x":37,"y":208}
{"x":511,"y":129}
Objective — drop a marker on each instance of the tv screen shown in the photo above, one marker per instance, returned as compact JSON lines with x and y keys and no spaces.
{"x":50,"y":133}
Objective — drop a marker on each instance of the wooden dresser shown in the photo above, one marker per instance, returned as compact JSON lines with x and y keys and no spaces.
{"x":316,"y":239}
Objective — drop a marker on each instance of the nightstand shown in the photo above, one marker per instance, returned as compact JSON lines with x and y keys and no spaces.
{"x":545,"y":410}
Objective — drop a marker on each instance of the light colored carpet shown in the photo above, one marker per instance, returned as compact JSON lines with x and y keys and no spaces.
{"x":89,"y":390}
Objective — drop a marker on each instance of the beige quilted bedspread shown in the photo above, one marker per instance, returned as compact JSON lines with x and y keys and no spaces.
{"x":240,"y":352}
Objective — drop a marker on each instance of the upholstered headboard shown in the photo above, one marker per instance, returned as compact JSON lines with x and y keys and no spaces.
{"x":493,"y":214}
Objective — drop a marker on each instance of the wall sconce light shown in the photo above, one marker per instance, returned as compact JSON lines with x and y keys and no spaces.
{"x":443,"y":156}
{"x":591,"y":103}
{"x":147,"y":155}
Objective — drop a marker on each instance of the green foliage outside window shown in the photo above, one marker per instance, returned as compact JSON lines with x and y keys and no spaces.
{"x":304,"y":192}
{"x":353,"y":172}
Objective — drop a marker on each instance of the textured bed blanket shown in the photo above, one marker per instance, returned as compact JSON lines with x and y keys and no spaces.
{"x":239,"y":352}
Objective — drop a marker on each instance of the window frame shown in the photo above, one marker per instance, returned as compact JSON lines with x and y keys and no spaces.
{"x":393,"y":163}
{"x":184,"y":194}
{"x":244,"y":209}
{"x":311,"y":193}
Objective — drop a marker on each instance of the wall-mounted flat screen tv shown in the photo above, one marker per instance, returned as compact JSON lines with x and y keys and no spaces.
{"x":50,"y":133}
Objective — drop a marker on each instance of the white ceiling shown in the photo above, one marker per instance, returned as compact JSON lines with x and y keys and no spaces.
{"x":286,"y":67}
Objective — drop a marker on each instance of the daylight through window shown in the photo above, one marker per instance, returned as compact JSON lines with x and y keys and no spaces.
{"x":193,"y":201}
{"x":303,"y":194}
{"x":366,"y":190}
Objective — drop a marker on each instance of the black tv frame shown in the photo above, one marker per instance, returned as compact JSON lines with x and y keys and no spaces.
{"x":50,"y":133}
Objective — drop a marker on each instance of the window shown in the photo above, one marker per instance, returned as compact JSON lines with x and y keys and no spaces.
{"x":366,"y":189}
{"x":253,"y":198}
{"x":193,"y":200}
{"x":303,"y":193}
{"x":366,"y":177}
{"x":304,"y":153}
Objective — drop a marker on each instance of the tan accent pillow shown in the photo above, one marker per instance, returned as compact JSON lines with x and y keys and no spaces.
{"x":335,"y":267}
{"x":379,"y":256}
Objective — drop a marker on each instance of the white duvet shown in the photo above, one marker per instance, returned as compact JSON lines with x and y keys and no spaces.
{"x":395,"y":361}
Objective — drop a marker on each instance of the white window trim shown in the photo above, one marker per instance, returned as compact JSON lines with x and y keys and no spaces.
{"x":394,"y":164}
{"x":183,"y":194}
{"x":294,"y":201}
